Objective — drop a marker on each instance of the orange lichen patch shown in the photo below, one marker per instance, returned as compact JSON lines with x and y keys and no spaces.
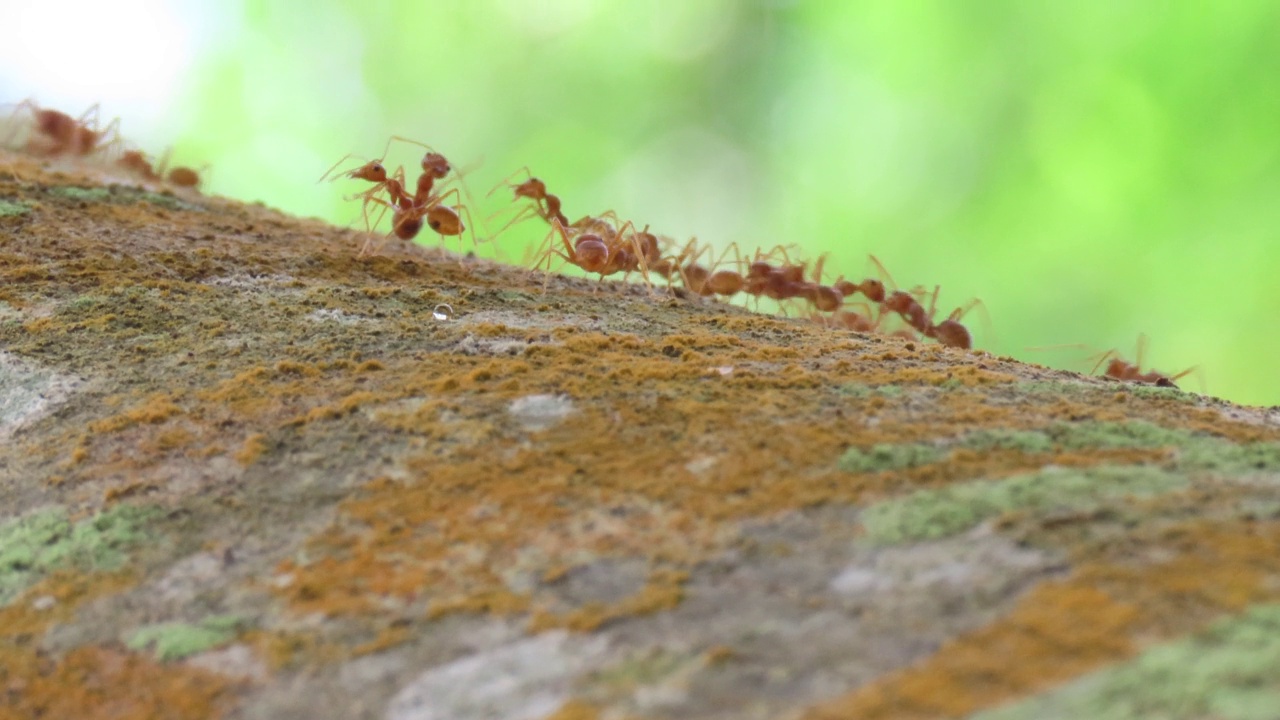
{"x":128,"y":489}
{"x":675,"y":460}
{"x":1103,"y":613}
{"x":252,"y":449}
{"x":663,"y":592}
{"x":286,"y":650}
{"x":387,"y":638}
{"x":575,"y":710}
{"x":718,"y":654}
{"x":344,"y":406}
{"x":490,"y":602}
{"x":154,"y":410}
{"x":91,"y":681}
{"x":102,"y":682}
{"x":171,"y":438}
{"x":20,"y":620}
{"x":966,"y":375}
{"x":1058,"y":631}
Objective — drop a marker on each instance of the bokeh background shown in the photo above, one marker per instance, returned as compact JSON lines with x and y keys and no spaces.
{"x":1090,"y":170}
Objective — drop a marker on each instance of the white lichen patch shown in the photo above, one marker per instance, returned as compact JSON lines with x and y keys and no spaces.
{"x":524,"y":680}
{"x":337,"y":316}
{"x":28,"y":392}
{"x":978,"y":562}
{"x":540,"y":412}
{"x":245,"y":282}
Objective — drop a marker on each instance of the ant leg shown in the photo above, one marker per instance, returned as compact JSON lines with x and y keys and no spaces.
{"x":92,"y":112}
{"x":1102,"y":357}
{"x":112,"y":129}
{"x":524,"y":214}
{"x":1141,"y":355}
{"x":335,"y":167}
{"x":398,"y":138}
{"x":963,"y":310}
{"x":163,"y":162}
{"x":471,"y":203}
{"x":1199,"y":371}
{"x":817,"y":268}
{"x":885,"y":277}
{"x":640,"y":258}
{"x":505,"y":182}
{"x":737,"y":263}
{"x":369,"y":237}
{"x":31,"y":107}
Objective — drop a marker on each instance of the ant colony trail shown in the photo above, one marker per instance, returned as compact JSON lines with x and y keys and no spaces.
{"x":255,"y":465}
{"x":602,"y":245}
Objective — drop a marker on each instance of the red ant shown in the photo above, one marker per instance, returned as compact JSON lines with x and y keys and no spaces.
{"x":871,"y":288}
{"x":594,"y":252}
{"x":949,"y":332}
{"x":63,"y":134}
{"x":709,"y":281}
{"x":545,"y":205}
{"x":409,"y":212}
{"x":1119,"y":369}
{"x":136,"y":161}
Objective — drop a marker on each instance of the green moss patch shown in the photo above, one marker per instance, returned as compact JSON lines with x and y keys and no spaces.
{"x":1028,"y":441}
{"x":861,"y":391}
{"x":1132,"y":434}
{"x":946,"y":511}
{"x":168,"y":201}
{"x":1230,"y":459}
{"x":1229,"y":672}
{"x":44,"y":541}
{"x":85,"y":194}
{"x":174,"y":641}
{"x":888,"y":457}
{"x":11,"y":209}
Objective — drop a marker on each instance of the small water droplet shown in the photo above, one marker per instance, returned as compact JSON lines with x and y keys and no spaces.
{"x":442,"y":312}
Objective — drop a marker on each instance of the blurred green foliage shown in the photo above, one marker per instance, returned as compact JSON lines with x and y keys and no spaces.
{"x":1089,"y":170}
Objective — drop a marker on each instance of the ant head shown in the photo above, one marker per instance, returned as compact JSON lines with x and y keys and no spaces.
{"x":1118,"y":368}
{"x":435,"y":164}
{"x":532,"y":188}
{"x":648,"y":242}
{"x":899,"y":301}
{"x":874,"y":290}
{"x":444,"y":220}
{"x":759,"y":269}
{"x":372,"y":171}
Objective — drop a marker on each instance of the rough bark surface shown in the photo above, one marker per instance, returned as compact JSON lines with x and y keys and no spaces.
{"x":246,"y":474}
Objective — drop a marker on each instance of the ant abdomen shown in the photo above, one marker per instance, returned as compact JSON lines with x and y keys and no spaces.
{"x":725,"y":282}
{"x":184,"y":177}
{"x":406,"y":224}
{"x":824,"y":298}
{"x":952,"y":334}
{"x":591,"y":252}
{"x":444,"y":220}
